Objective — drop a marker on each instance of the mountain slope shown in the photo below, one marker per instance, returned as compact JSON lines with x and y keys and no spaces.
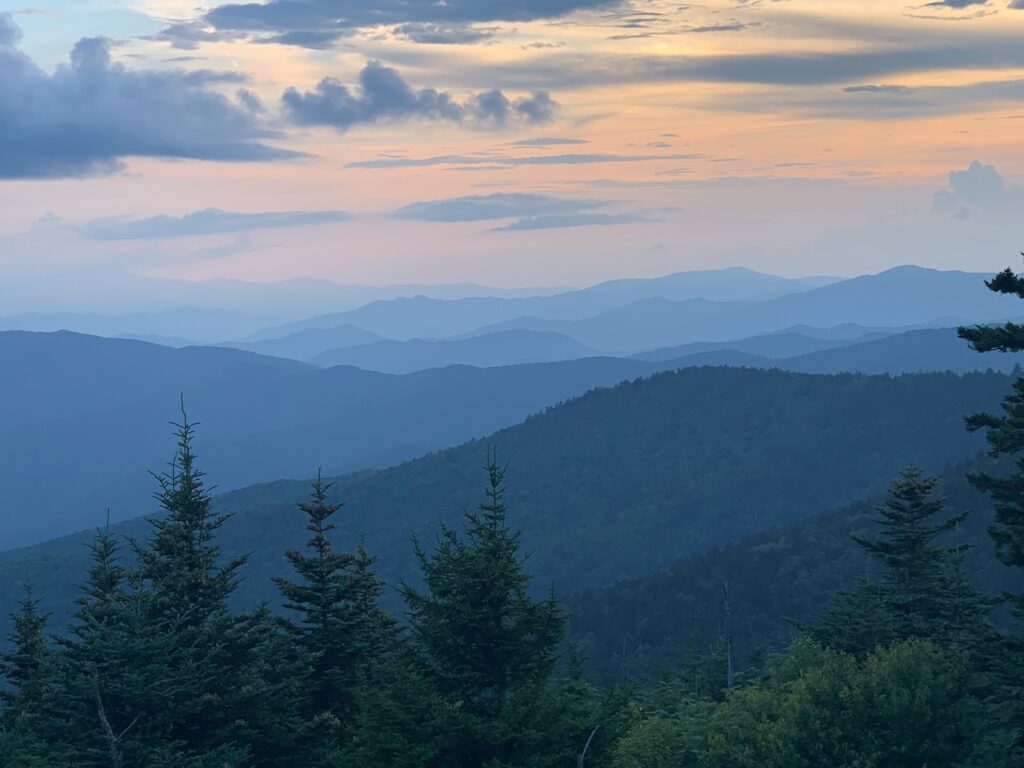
{"x":493,"y":349}
{"x":49,"y":376}
{"x":775,"y":345}
{"x":937,"y":349}
{"x":83,"y":419}
{"x":423,"y":317}
{"x":617,"y":482}
{"x":308,"y":343}
{"x":904,"y":296}
{"x":787,"y":574}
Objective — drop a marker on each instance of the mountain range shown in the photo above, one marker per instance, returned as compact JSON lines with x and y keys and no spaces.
{"x":414,"y":317}
{"x":613,"y":484}
{"x":94,"y":412}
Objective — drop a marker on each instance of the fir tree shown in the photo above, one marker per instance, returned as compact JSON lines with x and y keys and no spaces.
{"x":119,"y":675}
{"x":187,"y":586}
{"x":271,"y":676}
{"x":1004,"y":433}
{"x":488,"y":647}
{"x":28,"y":665}
{"x":923,"y":593}
{"x":181,"y":558}
{"x":341,"y":627}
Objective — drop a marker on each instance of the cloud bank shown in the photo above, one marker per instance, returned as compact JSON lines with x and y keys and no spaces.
{"x":206,"y":222}
{"x":529,"y":211}
{"x":980,"y":187}
{"x":321,"y":23}
{"x":92,"y":112}
{"x":383,"y":96}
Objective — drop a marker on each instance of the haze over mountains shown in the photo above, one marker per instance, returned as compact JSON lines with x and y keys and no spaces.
{"x":643,"y":315}
{"x":263,"y":417}
{"x":615,"y":483}
{"x":421,"y":316}
{"x":397,"y":378}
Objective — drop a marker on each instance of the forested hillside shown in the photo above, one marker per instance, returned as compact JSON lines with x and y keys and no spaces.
{"x":777,"y":580}
{"x":263,"y":417}
{"x":620,"y":481}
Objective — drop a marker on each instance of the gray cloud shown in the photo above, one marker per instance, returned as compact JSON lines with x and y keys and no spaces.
{"x":962,"y":52}
{"x":955,"y":3}
{"x":547,"y":141}
{"x":189,"y":35}
{"x":876,"y":89}
{"x":320,"y":23}
{"x":980,"y":187}
{"x":528,"y":211}
{"x":10,"y":33}
{"x":732,"y":26}
{"x":90,"y":113}
{"x":383,"y":96}
{"x":562,"y":221}
{"x":430,"y":33}
{"x":501,"y":205}
{"x":507,"y":160}
{"x":207,"y":222}
{"x":894,"y":102}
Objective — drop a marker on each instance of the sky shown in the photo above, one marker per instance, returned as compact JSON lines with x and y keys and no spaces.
{"x":543,"y":142}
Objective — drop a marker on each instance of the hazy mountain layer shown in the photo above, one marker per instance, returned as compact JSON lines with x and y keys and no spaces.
{"x":424,"y":317}
{"x":82,"y":419}
{"x":500,"y":348}
{"x":610,"y":485}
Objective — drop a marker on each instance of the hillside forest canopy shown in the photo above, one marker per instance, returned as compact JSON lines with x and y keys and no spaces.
{"x":466,"y":661}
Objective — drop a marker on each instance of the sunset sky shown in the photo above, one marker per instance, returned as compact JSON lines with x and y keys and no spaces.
{"x":547,"y":142}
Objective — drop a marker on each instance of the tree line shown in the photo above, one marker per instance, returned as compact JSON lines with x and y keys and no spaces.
{"x":157,"y":670}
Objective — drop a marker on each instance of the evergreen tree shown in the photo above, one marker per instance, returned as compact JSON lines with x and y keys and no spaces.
{"x":270,"y":678}
{"x":341,"y":628}
{"x":489,"y":648}
{"x":119,"y":677}
{"x":181,"y":558}
{"x":923,"y":592}
{"x":187,"y":587}
{"x":28,"y":665}
{"x":1004,"y":433}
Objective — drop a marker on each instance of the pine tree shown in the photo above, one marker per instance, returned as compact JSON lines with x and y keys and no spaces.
{"x":1004,"y":433}
{"x":188,"y":587}
{"x":915,"y":568}
{"x":119,"y":668}
{"x":181,"y":558}
{"x":341,"y":628}
{"x":269,"y":684}
{"x":923,"y":593}
{"x":488,"y":647}
{"x":28,"y":666}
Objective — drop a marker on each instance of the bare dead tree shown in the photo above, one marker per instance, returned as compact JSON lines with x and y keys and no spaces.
{"x":729,"y":674}
{"x":586,"y":748}
{"x":113,"y":740}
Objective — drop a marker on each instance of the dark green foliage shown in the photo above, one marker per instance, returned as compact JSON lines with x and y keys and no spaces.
{"x":28,"y":664}
{"x":777,"y":579}
{"x":902,"y":707}
{"x":923,"y":592}
{"x":188,"y":586}
{"x":341,"y":631}
{"x":181,"y":558}
{"x":120,"y":666}
{"x":487,"y":648}
{"x":1005,"y":434}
